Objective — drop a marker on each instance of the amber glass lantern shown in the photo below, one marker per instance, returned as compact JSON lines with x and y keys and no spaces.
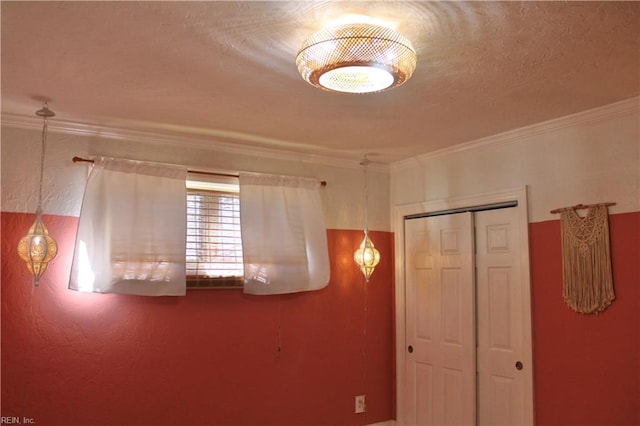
{"x":366,"y":256}
{"x":37,"y":248}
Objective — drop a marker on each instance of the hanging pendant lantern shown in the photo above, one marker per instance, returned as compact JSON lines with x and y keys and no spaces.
{"x":37,"y":248}
{"x":366,"y":257}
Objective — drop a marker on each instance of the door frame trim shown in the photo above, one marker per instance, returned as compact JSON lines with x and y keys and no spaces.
{"x":400,"y":212}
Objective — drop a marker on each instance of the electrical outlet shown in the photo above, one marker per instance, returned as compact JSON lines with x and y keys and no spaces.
{"x":360,"y":405}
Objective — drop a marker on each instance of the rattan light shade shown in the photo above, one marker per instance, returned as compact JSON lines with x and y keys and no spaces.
{"x":356,"y":58}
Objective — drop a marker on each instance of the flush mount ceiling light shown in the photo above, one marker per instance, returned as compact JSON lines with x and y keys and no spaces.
{"x":356,"y":58}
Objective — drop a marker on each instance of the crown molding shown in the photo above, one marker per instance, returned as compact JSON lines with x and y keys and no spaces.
{"x":607,"y":112}
{"x":247,"y":145}
{"x":218,"y":141}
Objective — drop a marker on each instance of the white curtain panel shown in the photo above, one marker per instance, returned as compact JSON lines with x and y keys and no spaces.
{"x":284,"y":237}
{"x":132,"y":230}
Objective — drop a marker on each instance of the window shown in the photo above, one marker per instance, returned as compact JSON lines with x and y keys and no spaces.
{"x":214,"y":246}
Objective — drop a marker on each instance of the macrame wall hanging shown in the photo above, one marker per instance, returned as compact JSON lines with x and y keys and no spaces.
{"x":586,"y":258}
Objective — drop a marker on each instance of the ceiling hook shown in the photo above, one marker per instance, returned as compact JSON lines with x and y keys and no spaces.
{"x":45,"y":111}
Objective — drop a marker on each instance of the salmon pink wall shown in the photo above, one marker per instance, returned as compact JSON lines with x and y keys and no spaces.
{"x":208,"y":358}
{"x":586,"y":367}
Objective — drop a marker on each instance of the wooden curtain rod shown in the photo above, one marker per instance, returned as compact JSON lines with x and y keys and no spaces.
{"x":77,"y":159}
{"x":582,"y":206}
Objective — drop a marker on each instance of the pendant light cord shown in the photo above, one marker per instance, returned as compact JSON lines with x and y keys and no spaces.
{"x":28,"y":360}
{"x":43,"y":146}
{"x":364,"y":347}
{"x":365,"y":162}
{"x":45,"y":113}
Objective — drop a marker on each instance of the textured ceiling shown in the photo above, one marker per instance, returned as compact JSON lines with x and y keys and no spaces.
{"x":225,"y":71}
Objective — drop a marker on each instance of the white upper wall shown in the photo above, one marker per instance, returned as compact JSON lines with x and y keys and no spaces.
{"x":64,"y":181}
{"x":586,"y":158}
{"x":590,"y":157}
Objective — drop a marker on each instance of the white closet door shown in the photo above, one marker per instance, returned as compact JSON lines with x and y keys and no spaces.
{"x":440,"y":315}
{"x":468,"y":321}
{"x":505,"y":391}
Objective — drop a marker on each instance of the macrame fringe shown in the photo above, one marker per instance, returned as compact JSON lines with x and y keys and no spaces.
{"x":586,"y":260}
